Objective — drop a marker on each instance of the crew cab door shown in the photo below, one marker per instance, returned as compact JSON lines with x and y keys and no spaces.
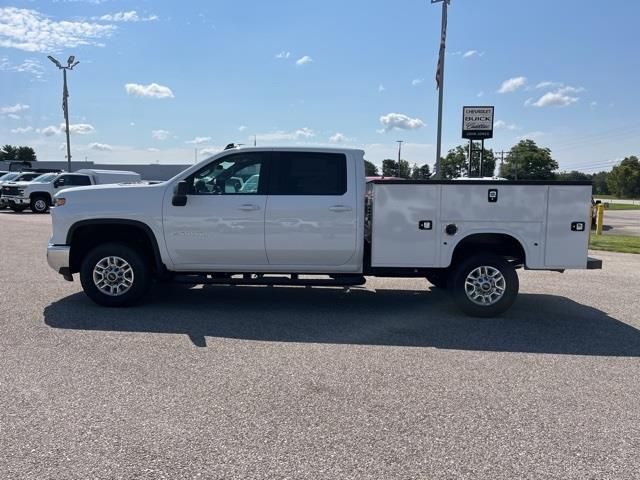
{"x":311,"y":214}
{"x":222,"y":224}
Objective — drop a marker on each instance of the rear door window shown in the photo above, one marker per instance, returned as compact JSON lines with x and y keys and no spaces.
{"x":308,"y":173}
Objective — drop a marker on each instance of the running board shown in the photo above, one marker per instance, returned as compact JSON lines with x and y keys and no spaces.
{"x":344,"y":281}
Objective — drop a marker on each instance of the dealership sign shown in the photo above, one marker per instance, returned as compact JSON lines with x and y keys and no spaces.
{"x":477,"y":123}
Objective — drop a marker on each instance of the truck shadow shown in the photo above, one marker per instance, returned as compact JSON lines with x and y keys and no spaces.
{"x":421,"y":318}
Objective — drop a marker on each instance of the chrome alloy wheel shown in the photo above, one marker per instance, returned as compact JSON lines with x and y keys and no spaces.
{"x":40,"y":205}
{"x":485,"y":285}
{"x":113,"y":276}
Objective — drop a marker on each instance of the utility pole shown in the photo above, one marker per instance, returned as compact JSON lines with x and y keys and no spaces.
{"x":71,"y":62}
{"x":400,"y":142}
{"x":440,"y":82}
{"x":255,"y":140}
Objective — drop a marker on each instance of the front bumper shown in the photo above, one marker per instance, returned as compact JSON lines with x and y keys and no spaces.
{"x":13,"y":200}
{"x":58,"y":259}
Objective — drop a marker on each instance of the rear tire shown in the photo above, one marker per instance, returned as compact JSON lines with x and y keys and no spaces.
{"x":484,"y":285}
{"x":39,"y":204}
{"x":115,"y":275}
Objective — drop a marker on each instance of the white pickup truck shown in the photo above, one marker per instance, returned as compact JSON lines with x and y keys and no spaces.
{"x":38,"y":193}
{"x":300,"y":216}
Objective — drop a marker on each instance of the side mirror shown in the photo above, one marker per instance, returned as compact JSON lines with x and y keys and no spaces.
{"x":58,"y":182}
{"x":180,"y":194}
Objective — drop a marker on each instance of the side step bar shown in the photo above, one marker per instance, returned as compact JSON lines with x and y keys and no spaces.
{"x":342,"y":281}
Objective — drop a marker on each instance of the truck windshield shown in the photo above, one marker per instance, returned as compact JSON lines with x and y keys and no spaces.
{"x":8,"y":176}
{"x":45,"y":178}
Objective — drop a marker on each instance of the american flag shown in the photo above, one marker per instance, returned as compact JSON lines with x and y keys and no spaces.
{"x":443,"y":41}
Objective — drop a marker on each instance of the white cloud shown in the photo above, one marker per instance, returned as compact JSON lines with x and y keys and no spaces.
{"x":548,"y":84}
{"x":160,"y":134}
{"x":152,"y":149}
{"x":472,"y":53}
{"x":130,"y":16}
{"x":417,"y":81}
{"x":153,"y":90}
{"x":553,"y":99}
{"x":199,"y":140}
{"x":101,"y":147}
{"x":79,"y":128}
{"x":32,"y":31}
{"x":381,"y":88}
{"x":242,"y":128}
{"x":282,"y":135}
{"x":304,"y":60}
{"x":29,"y":65}
{"x":400,"y":121}
{"x":283,"y":54}
{"x":13,"y":116}
{"x":498,"y":124}
{"x":531,"y":135}
{"x":18,"y":107}
{"x":338,"y":138}
{"x":480,"y":94}
{"x":208,"y":151}
{"x":22,"y":130}
{"x":593,"y":104}
{"x":512,"y":84}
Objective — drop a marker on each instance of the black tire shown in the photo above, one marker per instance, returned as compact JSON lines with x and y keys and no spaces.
{"x":39,"y":204}
{"x":139,"y":285}
{"x":17,"y":208}
{"x":459,"y":276}
{"x":439,"y":279}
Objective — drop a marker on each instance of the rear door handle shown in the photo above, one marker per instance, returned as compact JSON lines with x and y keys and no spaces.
{"x":249,"y":207}
{"x":340,"y":208}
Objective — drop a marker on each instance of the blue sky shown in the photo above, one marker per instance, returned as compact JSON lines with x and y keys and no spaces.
{"x":158,"y":79}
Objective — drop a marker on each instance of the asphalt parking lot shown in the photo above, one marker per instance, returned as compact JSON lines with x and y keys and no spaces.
{"x":622,"y":222}
{"x":388,"y":381}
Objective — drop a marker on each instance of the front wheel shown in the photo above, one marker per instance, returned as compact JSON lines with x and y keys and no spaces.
{"x":115,"y":275}
{"x":39,"y":205}
{"x":484,"y":285}
{"x":17,"y":208}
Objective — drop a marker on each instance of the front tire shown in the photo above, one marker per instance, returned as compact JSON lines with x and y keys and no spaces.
{"x":39,"y":204}
{"x":17,"y":208}
{"x":484,"y":285}
{"x":115,"y":275}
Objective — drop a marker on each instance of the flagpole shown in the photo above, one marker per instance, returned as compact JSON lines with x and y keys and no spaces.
{"x":441,"y":56}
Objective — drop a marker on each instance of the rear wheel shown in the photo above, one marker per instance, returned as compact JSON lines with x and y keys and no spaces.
{"x":39,"y":204}
{"x":484,"y":285}
{"x":115,"y":275}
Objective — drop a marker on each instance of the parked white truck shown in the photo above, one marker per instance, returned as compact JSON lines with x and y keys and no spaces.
{"x":38,"y":194}
{"x":259,"y":216}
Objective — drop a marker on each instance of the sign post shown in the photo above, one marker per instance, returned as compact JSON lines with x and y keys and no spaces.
{"x":477,"y":124}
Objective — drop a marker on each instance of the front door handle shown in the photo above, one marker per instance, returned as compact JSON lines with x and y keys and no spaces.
{"x":340,"y":208}
{"x":249,"y":207}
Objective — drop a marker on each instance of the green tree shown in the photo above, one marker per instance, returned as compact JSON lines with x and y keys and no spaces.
{"x":573,"y":176}
{"x":456,"y":163}
{"x":624,"y":179}
{"x":389,"y":168}
{"x":404,"y":169}
{"x":528,"y":161}
{"x":9,"y":153}
{"x":420,"y":173}
{"x":370,"y":170}
{"x":26,"y":154}
{"x":600,"y":186}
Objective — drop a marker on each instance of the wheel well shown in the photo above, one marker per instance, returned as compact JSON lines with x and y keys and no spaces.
{"x":497,"y":243}
{"x":45,"y":195}
{"x":84,"y":237}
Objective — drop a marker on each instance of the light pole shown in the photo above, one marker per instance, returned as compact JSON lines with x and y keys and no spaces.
{"x":400,"y":142}
{"x":440,"y":82}
{"x":71,"y":62}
